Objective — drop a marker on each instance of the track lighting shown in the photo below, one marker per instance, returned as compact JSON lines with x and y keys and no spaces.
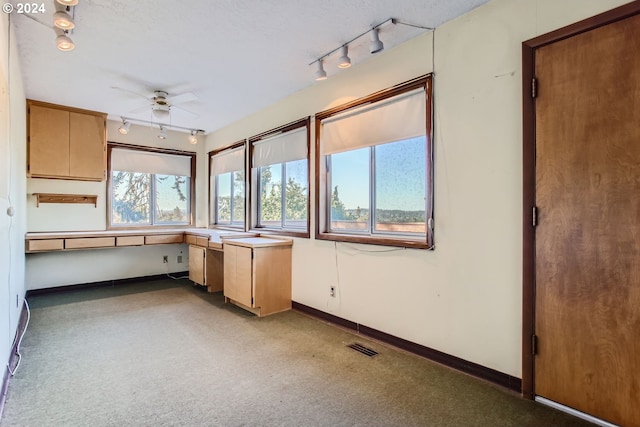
{"x":68,"y":2}
{"x":376,"y":45}
{"x":64,"y":43}
{"x":344,"y":61}
{"x":193,"y":138}
{"x":321,"y":74}
{"x":124,"y":128}
{"x":163,"y":132}
{"x":63,"y":20}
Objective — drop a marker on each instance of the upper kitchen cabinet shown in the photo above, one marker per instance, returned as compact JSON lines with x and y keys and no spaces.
{"x":65,"y":142}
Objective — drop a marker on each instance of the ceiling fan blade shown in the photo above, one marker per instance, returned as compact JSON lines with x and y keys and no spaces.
{"x":130,"y":92}
{"x":141,"y":109}
{"x":191,"y":113}
{"x":182,"y":98}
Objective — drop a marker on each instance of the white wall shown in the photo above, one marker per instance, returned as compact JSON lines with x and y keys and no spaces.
{"x":12,"y":189}
{"x":463,"y":298}
{"x":75,"y":267}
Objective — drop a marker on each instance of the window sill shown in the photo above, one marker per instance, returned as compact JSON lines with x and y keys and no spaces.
{"x":368,"y":240}
{"x":280,"y":232}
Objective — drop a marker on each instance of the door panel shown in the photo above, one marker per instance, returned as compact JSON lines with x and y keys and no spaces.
{"x":587,"y":251}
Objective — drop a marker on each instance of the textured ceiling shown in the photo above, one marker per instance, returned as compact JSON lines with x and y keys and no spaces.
{"x":236,"y":56}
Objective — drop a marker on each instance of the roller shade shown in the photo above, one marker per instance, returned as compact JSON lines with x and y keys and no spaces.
{"x":282,"y":148}
{"x":401,"y":117}
{"x":149,"y":162}
{"x":227,"y":161}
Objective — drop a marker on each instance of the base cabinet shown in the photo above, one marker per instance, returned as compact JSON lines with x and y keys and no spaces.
{"x":257,"y":274}
{"x":205,"y":268}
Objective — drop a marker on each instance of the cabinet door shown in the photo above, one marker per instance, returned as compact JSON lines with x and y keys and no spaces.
{"x":87,"y":155}
{"x":238,"y":284}
{"x":196,"y":264}
{"x":48,"y":142}
{"x":214,"y":270}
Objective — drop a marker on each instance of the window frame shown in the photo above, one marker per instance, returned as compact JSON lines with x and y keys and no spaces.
{"x":192,"y":187}
{"x":323,"y":229}
{"x":254,"y":187}
{"x":214,"y":197}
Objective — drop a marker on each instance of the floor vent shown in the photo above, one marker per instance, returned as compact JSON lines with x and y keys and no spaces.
{"x":362,"y":349}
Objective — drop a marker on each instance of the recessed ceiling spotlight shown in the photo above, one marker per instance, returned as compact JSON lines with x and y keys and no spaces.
{"x":63,"y":20}
{"x":68,"y":2}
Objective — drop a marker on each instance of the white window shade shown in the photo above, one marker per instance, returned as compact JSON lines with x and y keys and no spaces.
{"x":149,"y":162}
{"x":227,"y":161}
{"x":282,"y":148}
{"x":396,"y":119}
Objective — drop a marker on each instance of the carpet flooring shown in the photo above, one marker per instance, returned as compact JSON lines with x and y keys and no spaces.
{"x":166,"y":353}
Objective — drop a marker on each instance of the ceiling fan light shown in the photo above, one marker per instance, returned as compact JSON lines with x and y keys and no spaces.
{"x":161,"y":111}
{"x":63,"y":20}
{"x":64,"y":43}
{"x":68,"y":2}
{"x":193,"y":138}
{"x":124,"y":128}
{"x":163,"y":133}
{"x":376,"y":45}
{"x":344,"y":61}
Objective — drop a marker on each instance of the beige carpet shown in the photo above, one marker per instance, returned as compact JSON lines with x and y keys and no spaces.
{"x":166,"y":353}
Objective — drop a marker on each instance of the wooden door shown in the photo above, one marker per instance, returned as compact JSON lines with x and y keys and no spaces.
{"x":48,"y":142}
{"x":87,"y":150}
{"x":587,"y":240}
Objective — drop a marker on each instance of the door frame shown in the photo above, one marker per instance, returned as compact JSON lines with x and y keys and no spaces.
{"x":529,"y":173}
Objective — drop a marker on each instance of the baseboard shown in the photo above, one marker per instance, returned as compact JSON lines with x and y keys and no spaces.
{"x":454,"y":362}
{"x":22,"y":324}
{"x":103,"y":283}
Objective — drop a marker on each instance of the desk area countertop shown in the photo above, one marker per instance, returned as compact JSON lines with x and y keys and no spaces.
{"x":73,"y":240}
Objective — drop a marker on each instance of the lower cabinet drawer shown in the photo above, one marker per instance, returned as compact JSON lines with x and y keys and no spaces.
{"x":129,"y":240}
{"x":45,"y":245}
{"x":163,"y":239}
{"x":90,"y":242}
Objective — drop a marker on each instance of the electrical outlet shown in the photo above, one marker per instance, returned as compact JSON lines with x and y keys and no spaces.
{"x":165,"y":259}
{"x":179,"y":259}
{"x":332,"y":291}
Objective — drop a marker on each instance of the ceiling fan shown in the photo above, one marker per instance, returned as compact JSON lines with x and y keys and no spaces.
{"x":161,"y":103}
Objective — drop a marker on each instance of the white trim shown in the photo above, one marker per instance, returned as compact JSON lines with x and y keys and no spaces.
{"x":574,"y":412}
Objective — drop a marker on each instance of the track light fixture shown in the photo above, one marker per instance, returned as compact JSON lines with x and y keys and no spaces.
{"x":321,"y":74}
{"x":375,"y":46}
{"x":64,"y":43}
{"x":193,"y":138}
{"x":344,"y":61}
{"x":63,"y":20}
{"x":163,"y":132}
{"x":193,"y":133}
{"x":124,"y":128}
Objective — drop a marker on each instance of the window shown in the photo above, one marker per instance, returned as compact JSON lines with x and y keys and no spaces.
{"x":374,"y":163}
{"x":280,"y":179}
{"x":227,"y":184}
{"x":149,"y":187}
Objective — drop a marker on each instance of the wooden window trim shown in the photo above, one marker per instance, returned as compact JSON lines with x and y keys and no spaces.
{"x":400,"y":241}
{"x":253,"y":210}
{"x":192,"y":185}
